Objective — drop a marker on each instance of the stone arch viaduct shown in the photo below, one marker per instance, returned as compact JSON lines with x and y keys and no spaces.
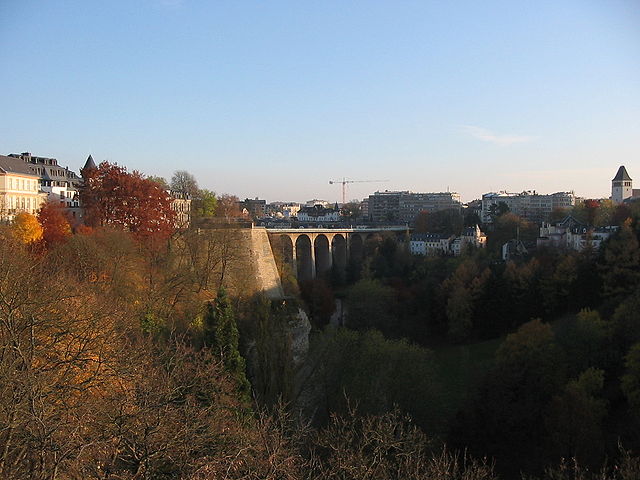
{"x":315,"y":251}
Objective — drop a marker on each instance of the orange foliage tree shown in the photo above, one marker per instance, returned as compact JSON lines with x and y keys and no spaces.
{"x":26,"y":228}
{"x":55,"y":226}
{"x":113,"y":197}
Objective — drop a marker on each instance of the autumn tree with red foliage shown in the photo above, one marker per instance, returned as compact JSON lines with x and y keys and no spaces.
{"x":54,"y":222}
{"x":113,"y":197}
{"x":591,"y":206}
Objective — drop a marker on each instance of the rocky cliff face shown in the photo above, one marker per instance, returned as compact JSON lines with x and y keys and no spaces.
{"x":299,"y":328}
{"x":275,"y":330}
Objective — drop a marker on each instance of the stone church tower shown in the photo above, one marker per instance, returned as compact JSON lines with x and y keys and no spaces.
{"x":621,"y":188}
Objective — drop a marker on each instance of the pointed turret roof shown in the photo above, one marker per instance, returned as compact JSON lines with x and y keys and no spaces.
{"x":89,"y":163}
{"x":621,"y":175}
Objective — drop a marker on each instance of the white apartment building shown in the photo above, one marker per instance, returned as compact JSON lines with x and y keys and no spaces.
{"x":430,"y":244}
{"x":444,"y":244}
{"x":59,"y":183}
{"x":404,"y":206}
{"x":19,"y":189}
{"x":529,"y":205}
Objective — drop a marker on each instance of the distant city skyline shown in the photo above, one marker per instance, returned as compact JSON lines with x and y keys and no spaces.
{"x":275,"y":99}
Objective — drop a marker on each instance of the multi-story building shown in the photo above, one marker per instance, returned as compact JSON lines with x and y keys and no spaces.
{"x":404,"y":206}
{"x":282,"y":210}
{"x":569,"y":233}
{"x":430,"y":243}
{"x":181,"y":205}
{"x":472,"y":236}
{"x":290,"y":209}
{"x":60,"y":184}
{"x":364,"y":205}
{"x":446,"y":244}
{"x":318,"y":214}
{"x":529,"y":205}
{"x":19,"y":188}
{"x":315,"y":201}
{"x":385,"y":206}
{"x":581,"y":237}
{"x":255,"y":207}
{"x":473,"y":207}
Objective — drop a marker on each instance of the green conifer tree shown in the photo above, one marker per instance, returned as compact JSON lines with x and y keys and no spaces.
{"x":222,"y":337}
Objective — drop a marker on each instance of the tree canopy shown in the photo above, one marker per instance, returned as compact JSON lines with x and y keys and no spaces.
{"x":26,"y":228}
{"x":185,"y":183}
{"x":54,"y":222}
{"x":114,"y":197}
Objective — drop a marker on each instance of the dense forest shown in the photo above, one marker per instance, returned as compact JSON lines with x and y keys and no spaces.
{"x":525,"y":362}
{"x":126,"y":355}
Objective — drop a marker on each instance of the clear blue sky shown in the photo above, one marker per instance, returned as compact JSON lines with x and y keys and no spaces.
{"x":274,"y":98}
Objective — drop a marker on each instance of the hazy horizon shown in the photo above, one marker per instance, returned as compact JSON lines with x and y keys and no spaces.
{"x":275,"y":99}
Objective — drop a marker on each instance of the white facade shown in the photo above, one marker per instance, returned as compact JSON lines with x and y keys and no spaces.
{"x":59,"y":184}
{"x":19,"y":189}
{"x":430,"y":244}
{"x":572,"y":235}
{"x":181,"y":205}
{"x":580,"y":238}
{"x":318,"y":213}
{"x":528,"y":205}
{"x":290,"y":210}
{"x":439,"y":244}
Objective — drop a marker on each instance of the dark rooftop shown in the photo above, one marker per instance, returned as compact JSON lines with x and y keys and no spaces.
{"x":621,"y":175}
{"x":15,"y":165}
{"x":89,"y":164}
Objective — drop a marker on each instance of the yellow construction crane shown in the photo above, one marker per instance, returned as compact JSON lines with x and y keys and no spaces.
{"x":344,"y":182}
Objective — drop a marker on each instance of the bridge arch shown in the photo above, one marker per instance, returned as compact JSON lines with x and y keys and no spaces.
{"x":322,"y":250}
{"x":304,"y":258}
{"x":339,"y":251}
{"x":356,"y":247}
{"x":371,"y":243}
{"x":284,"y":248}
